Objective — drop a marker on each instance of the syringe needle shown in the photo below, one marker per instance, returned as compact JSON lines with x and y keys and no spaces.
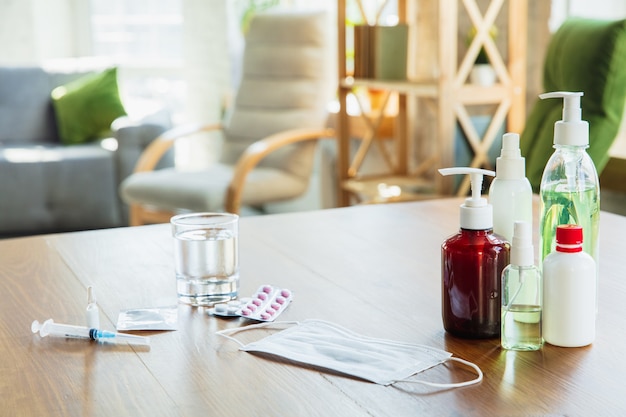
{"x":121,"y":337}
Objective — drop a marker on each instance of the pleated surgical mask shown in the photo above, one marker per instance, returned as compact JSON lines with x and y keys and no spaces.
{"x":330,"y":346}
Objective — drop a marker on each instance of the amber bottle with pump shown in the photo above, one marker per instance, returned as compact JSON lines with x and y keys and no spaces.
{"x":471,"y":266}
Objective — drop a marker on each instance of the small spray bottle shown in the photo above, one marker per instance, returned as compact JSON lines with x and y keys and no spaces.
{"x":510,"y":192}
{"x":471,"y":267}
{"x":522,"y":294}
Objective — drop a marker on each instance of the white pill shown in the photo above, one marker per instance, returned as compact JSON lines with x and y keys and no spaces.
{"x":221,"y":308}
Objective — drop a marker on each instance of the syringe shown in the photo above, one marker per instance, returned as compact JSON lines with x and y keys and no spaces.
{"x":50,"y":328}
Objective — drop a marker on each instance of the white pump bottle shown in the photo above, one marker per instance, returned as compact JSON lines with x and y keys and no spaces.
{"x":510,"y":192}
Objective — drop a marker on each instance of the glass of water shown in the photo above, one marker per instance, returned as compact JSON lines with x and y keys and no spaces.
{"x":206,"y":257}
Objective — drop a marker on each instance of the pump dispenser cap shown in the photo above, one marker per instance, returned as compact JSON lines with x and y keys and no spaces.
{"x":510,"y":165}
{"x":476,"y":212}
{"x":572,"y":130}
{"x":522,"y":250}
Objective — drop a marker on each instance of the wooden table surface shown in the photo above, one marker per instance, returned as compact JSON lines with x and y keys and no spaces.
{"x":373,"y":269}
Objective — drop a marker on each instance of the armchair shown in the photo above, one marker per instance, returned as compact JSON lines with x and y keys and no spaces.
{"x":280,"y":110}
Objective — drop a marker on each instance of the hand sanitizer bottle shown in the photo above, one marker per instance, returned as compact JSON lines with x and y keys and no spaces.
{"x":471,"y":267}
{"x":510,"y":193}
{"x":570,"y":190}
{"x":521,"y":294}
{"x":569,"y":290}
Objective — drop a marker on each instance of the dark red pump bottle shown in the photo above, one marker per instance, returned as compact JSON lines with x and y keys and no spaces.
{"x":471,"y":266}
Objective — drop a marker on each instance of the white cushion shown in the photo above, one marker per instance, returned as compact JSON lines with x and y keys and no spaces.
{"x":171,"y":189}
{"x":287,"y":84}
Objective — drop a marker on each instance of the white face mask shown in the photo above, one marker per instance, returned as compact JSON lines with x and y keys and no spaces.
{"x":333,"y":347}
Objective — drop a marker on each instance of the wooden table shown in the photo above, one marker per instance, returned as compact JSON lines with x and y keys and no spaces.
{"x":373,"y":269}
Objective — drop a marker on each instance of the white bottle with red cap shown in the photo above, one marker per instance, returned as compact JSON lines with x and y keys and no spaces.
{"x":569,"y":291}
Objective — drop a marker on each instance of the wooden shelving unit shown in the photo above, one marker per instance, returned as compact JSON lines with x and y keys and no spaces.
{"x":437,"y":79}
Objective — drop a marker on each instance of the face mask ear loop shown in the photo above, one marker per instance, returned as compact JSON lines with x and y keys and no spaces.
{"x":227,"y":332}
{"x":476,"y":380}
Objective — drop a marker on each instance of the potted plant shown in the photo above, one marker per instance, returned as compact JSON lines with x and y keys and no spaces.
{"x":482,"y":72}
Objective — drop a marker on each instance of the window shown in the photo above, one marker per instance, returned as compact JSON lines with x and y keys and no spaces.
{"x":603,"y":9}
{"x":145,"y":39}
{"x":139,"y":33}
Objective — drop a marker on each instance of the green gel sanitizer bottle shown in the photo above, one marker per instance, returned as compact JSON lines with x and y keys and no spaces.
{"x":570,"y":190}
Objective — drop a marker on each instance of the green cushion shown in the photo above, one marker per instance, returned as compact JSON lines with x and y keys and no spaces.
{"x":583,"y":55}
{"x":85,"y":108}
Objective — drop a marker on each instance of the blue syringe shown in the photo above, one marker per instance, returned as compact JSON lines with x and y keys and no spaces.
{"x":50,"y":328}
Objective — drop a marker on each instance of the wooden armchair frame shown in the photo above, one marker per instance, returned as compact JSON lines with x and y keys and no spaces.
{"x":150,"y":157}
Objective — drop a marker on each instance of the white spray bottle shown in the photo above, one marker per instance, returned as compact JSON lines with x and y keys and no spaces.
{"x":510,"y":193}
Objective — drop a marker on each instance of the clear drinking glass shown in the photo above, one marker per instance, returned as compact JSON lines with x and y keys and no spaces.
{"x":206,"y":257}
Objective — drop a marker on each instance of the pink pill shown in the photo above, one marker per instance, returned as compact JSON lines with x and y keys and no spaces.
{"x":246,"y":312}
{"x":265,"y":316}
{"x":257,"y":302}
{"x":280,"y":300}
{"x":267,"y":289}
{"x":276,"y":306}
{"x":285,"y":293}
{"x":251,"y":307}
{"x":270,"y":311}
{"x":262,"y":296}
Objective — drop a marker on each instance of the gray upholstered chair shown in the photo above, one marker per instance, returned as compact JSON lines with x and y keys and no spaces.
{"x":280,"y":110}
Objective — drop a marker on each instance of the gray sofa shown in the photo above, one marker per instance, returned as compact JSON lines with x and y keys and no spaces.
{"x":46,"y":186}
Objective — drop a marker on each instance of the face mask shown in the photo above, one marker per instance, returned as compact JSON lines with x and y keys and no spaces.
{"x":327,"y":345}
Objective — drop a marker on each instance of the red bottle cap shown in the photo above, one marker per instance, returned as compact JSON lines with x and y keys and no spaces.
{"x":569,"y":238}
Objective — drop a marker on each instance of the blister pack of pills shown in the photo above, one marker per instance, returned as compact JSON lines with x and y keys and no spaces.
{"x":265,"y":305}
